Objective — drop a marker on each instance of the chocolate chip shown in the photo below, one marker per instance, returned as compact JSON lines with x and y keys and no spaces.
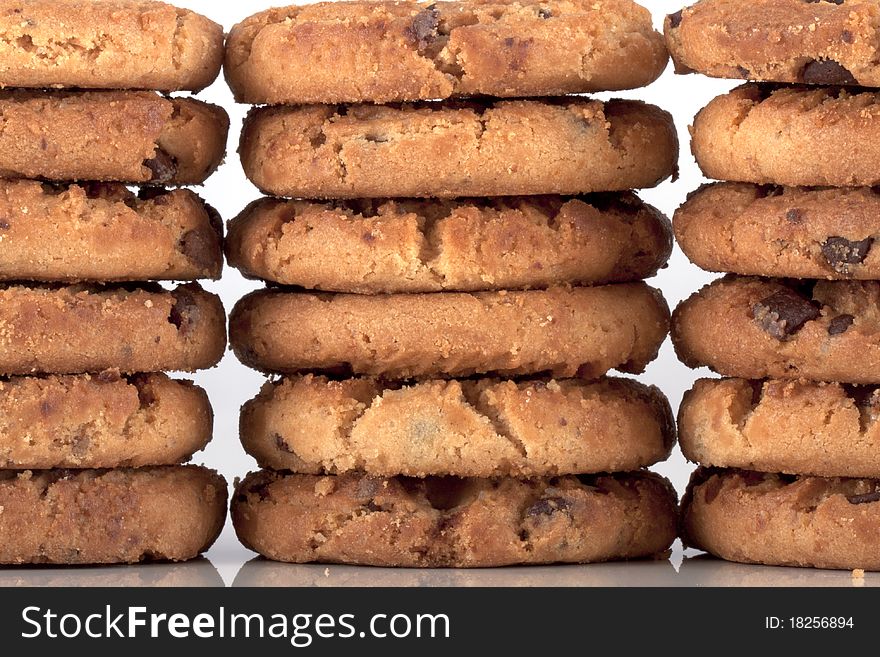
{"x":826,"y":71}
{"x":795,"y":216}
{"x":751,"y":478}
{"x":280,"y":444}
{"x":109,"y":376}
{"x":840,"y":324}
{"x":675,"y":19}
{"x":841,"y":252}
{"x":784,"y":313}
{"x":152,"y":193}
{"x":847,"y":37}
{"x":548,"y":506}
{"x":4,"y":225}
{"x":423,"y":28}
{"x":95,"y":190}
{"x":369,"y":238}
{"x":46,"y":408}
{"x":184,"y":312}
{"x":200,"y":246}
{"x":544,"y":13}
{"x":163,"y":167}
{"x":261,"y":490}
{"x":743,"y":72}
{"x":864,"y":498}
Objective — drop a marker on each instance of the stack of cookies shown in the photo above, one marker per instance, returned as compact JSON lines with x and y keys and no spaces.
{"x":442,"y":399}
{"x":789,"y":447}
{"x":91,"y":432}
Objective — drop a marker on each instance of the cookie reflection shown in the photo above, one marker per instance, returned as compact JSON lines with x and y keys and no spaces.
{"x":704,"y":570}
{"x":192,"y":574}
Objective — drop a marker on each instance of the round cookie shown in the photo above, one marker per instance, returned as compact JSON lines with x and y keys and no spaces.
{"x":782,"y":231}
{"x":470,"y":428}
{"x":783,"y":520}
{"x":107,"y":44}
{"x":125,"y":136}
{"x":380,"y":52}
{"x":823,"y":429}
{"x":101,"y":421}
{"x":449,"y":522}
{"x":489,"y":148}
{"x":74,"y":329}
{"x":168,"y":513}
{"x":756,"y":328}
{"x":431,"y":245}
{"x":813,"y":41}
{"x":103,"y":232}
{"x":813,"y":136}
{"x":565,"y":332}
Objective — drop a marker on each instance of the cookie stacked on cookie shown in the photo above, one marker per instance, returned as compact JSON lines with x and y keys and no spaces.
{"x":91,"y":431}
{"x":444,"y":300}
{"x":789,"y":445}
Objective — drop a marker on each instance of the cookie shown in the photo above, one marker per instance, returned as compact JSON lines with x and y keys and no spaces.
{"x":76,"y":328}
{"x":813,"y":41}
{"x":782,"y":231}
{"x":824,"y":136}
{"x":756,"y":328}
{"x":103,"y":232}
{"x":126,"y":136}
{"x":101,"y":421}
{"x":168,"y":513}
{"x":470,"y":428}
{"x":564,"y":332}
{"x":334,"y":52}
{"x":449,"y":522}
{"x":109,"y":44}
{"x":489,"y":148}
{"x":783,"y":520}
{"x":430,"y":246}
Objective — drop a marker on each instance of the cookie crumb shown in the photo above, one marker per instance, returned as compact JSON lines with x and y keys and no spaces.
{"x":858,"y":573}
{"x":326,"y":572}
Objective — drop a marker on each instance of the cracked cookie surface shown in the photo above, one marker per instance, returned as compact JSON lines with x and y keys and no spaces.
{"x":467,"y":245}
{"x":396,"y":51}
{"x":449,"y":522}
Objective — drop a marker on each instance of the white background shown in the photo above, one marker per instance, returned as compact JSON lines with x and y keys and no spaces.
{"x":231,"y":384}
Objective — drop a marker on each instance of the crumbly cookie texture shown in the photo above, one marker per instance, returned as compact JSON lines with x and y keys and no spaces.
{"x":469,"y":245}
{"x":813,"y":41}
{"x":491,"y":148}
{"x":471,"y":428}
{"x":381,"y":52}
{"x":782,"y":231}
{"x":823,"y":136}
{"x":783,"y":520}
{"x":125,"y":136}
{"x":103,"y":232}
{"x":565,"y":332}
{"x":824,"y":429}
{"x":757,"y":328}
{"x":107,"y":44}
{"x":101,"y":421}
{"x":449,"y":522}
{"x":109,"y":516}
{"x":75,"y":329}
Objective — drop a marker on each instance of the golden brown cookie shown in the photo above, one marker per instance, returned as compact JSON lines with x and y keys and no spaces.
{"x":103,"y":232}
{"x":470,"y":428}
{"x":491,"y":148}
{"x":809,"y":41}
{"x":73,"y":329}
{"x":333,"y":52}
{"x":101,"y":421}
{"x":449,"y":522}
{"x":783,"y":520}
{"x":757,"y":328}
{"x":126,"y":136}
{"x":107,"y":44}
{"x":428,"y":246}
{"x":109,"y":516}
{"x":584,"y":331}
{"x":782,"y":231}
{"x":826,"y":136}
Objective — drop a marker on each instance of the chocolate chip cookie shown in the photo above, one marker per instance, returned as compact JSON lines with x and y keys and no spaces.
{"x":757,"y":328}
{"x":449,"y":522}
{"x":782,"y":231}
{"x":783,"y":520}
{"x":565,"y":332}
{"x":470,"y":428}
{"x":487,"y":148}
{"x":381,"y":52}
{"x":468,"y":245}
{"x":168,"y":513}
{"x":103,"y":232}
